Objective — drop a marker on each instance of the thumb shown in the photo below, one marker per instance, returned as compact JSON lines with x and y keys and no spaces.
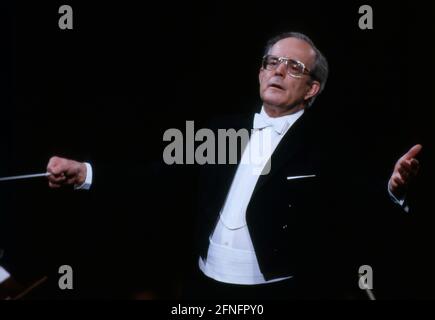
{"x":413,"y":152}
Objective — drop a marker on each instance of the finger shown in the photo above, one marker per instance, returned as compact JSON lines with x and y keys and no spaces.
{"x":56,"y":179}
{"x":54,"y":175}
{"x":413,"y":166}
{"x":70,"y":181}
{"x":397,"y":179}
{"x":54,"y":185}
{"x":404,"y":173}
{"x":408,"y":167}
{"x":413,"y":152}
{"x":55,"y":170}
{"x":52,"y":163}
{"x":405,"y":164}
{"x":414,"y":163}
{"x":50,"y":167}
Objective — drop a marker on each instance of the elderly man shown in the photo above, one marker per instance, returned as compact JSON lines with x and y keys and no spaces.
{"x":295,"y":232}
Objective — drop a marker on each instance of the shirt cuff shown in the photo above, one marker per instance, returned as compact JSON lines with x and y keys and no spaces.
{"x":88,"y":181}
{"x":4,"y":275}
{"x":400,"y":202}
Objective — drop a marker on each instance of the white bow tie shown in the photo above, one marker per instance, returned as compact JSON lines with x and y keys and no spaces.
{"x":261,"y":121}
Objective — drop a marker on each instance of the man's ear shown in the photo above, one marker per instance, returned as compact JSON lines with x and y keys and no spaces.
{"x":313,"y":90}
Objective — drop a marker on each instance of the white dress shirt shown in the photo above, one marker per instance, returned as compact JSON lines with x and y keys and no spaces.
{"x":231,"y":256}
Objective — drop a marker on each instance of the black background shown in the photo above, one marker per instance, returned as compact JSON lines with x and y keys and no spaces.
{"x":106,"y":91}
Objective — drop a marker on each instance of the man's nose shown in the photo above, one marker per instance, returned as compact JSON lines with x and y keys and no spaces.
{"x":281,"y":70}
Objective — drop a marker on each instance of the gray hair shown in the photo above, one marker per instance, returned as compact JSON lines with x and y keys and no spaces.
{"x":319,"y":72}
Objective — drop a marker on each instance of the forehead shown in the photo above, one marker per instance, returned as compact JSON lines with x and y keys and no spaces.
{"x":294,"y":48}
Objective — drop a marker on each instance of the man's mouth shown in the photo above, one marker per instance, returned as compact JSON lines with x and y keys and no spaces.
{"x":276,"y":86}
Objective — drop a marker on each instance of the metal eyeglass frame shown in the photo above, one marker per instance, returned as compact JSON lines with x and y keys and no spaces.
{"x":285,"y":60}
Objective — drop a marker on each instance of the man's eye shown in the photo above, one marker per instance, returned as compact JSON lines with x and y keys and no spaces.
{"x":273,"y":62}
{"x":294,"y":67}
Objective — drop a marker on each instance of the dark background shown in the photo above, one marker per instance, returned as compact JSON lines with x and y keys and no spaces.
{"x":106,"y":91}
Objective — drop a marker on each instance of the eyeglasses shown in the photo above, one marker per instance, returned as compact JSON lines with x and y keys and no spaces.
{"x":295,"y":68}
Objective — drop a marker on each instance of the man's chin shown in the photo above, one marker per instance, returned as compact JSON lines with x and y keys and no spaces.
{"x":275,"y":97}
{"x":274,"y":102}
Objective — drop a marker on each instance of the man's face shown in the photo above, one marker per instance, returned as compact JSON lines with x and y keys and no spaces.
{"x":277,"y":87}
